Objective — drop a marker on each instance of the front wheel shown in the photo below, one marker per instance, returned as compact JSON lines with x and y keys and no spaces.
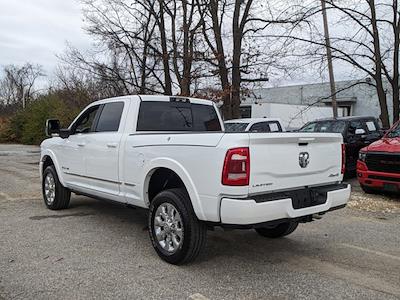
{"x":175,"y":232}
{"x":55,"y":195}
{"x":278,"y":231}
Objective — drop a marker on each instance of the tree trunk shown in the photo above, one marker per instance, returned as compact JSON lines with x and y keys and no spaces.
{"x":378,"y":67}
{"x":187,"y":64}
{"x":382,"y":103}
{"x":220,"y":56}
{"x":165,"y":58}
{"x":396,"y":102}
{"x":395,"y":79}
{"x":237,"y":47}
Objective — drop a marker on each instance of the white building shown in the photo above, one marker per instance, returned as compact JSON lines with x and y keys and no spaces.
{"x":354,"y":98}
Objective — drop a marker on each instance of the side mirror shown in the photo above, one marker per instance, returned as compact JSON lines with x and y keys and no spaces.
{"x":52,"y":127}
{"x":360,"y":131}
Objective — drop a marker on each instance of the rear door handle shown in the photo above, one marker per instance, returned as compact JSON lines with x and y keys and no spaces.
{"x":112,"y":145}
{"x":81,"y":144}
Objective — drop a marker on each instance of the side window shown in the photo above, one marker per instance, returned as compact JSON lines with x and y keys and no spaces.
{"x":324,"y":127}
{"x":260,"y":127}
{"x":311,"y":127}
{"x":110,"y":117}
{"x":86,"y":121}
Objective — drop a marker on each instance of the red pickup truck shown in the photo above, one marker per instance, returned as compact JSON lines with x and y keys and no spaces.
{"x":378,"y":165}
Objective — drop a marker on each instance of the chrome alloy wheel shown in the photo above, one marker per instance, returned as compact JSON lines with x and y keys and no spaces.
{"x":49,"y":188}
{"x":168,"y":227}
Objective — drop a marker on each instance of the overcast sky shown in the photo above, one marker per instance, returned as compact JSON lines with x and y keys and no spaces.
{"x":37,"y":30}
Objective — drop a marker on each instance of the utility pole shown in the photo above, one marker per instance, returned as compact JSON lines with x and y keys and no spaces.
{"x":329,"y":57}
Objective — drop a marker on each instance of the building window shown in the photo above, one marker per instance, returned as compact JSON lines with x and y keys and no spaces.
{"x":344,"y":110}
{"x":245,"y":111}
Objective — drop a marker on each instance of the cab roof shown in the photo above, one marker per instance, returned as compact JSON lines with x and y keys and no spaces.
{"x":253,"y":120}
{"x":158,"y":98}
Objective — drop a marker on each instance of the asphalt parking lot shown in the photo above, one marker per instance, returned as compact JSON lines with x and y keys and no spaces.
{"x":102,"y":250}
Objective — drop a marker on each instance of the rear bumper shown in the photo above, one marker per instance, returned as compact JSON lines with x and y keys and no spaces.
{"x":377,"y":180}
{"x":248,"y":211}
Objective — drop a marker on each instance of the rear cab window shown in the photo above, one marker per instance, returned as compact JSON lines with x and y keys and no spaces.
{"x":177,"y":116}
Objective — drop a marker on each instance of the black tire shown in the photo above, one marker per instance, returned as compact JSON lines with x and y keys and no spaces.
{"x":367,"y":189}
{"x":62,"y":194}
{"x":194,"y":231}
{"x":278,"y":230}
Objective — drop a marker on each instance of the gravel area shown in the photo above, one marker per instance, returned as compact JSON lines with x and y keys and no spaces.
{"x":98,"y":249}
{"x":381,"y":202}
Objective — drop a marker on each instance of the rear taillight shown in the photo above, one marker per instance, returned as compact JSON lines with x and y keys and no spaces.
{"x":236,"y":169}
{"x":343,"y":158}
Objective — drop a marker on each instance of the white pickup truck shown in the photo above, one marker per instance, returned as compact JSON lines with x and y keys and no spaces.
{"x":171,"y":155}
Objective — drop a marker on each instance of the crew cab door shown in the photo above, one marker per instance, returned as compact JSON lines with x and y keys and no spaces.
{"x":71,"y":153}
{"x":102,"y":149}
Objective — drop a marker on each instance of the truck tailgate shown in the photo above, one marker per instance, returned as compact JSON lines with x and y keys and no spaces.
{"x":292,"y":160}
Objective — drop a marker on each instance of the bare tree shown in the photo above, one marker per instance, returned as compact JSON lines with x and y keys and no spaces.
{"x":216,"y":11}
{"x":184,"y":13}
{"x":126,"y":57}
{"x":181,"y":46}
{"x":18,"y":84}
{"x":144,"y":46}
{"x":243,"y":57}
{"x":364,"y":36}
{"x":392,"y":72}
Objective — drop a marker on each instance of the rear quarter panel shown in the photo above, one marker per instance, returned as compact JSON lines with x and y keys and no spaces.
{"x":197,"y":158}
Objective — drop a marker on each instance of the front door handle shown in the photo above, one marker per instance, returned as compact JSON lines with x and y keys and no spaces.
{"x":112,"y":145}
{"x":81,"y":144}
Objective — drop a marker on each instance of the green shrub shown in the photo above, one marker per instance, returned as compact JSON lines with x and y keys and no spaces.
{"x":28,"y":126}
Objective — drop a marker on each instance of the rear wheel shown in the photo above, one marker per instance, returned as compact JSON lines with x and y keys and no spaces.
{"x":278,"y":231}
{"x":55,"y":195}
{"x":175,"y":232}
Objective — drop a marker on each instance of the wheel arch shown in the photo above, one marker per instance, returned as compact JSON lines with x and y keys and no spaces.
{"x":168,"y":165}
{"x":48,"y":158}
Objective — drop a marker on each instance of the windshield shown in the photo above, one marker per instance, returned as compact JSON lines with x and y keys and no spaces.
{"x":325,"y":126}
{"x":235,"y":127}
{"x":395,"y":132}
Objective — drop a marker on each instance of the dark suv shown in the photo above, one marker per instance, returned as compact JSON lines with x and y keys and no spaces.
{"x":357,"y":132}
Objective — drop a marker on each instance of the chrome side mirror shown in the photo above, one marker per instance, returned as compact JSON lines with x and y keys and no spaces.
{"x":52,"y":127}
